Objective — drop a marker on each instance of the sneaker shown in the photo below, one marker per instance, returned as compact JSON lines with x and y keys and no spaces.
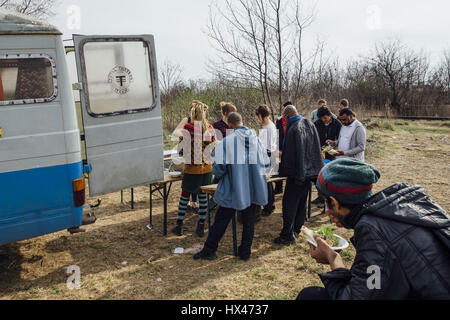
{"x":178,"y":230}
{"x":200,"y":230}
{"x":283,"y":241}
{"x":76,"y":230}
{"x":266,"y":213}
{"x":244,"y":258}
{"x":205,"y":256}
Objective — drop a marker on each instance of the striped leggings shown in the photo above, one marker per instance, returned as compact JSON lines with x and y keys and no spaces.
{"x":202,"y":210}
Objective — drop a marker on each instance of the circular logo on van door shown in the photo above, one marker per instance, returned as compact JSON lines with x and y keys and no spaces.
{"x":120,"y":79}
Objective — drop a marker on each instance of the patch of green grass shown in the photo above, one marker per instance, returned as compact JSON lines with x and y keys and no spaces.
{"x":290,"y":295}
{"x":414,"y":129}
{"x":34,"y":290}
{"x":347,"y":255}
{"x":381,"y":124}
{"x":56,"y":289}
{"x":445,"y":124}
{"x":373,"y":149}
{"x":259,"y":273}
{"x":196,"y":294}
{"x":401,"y":123}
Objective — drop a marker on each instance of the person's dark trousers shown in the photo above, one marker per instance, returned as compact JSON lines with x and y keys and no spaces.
{"x":223,"y":218}
{"x":278,"y":187}
{"x":294,"y":208}
{"x":313,"y":293}
{"x":271,"y":197}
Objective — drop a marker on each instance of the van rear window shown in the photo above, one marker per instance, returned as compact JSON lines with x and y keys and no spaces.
{"x":27,"y":78}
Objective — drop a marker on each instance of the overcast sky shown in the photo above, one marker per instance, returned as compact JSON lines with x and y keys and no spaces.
{"x":350,"y":27}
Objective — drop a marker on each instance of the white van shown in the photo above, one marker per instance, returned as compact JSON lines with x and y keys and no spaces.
{"x":42,"y":187}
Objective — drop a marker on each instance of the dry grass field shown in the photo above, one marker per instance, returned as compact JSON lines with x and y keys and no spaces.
{"x":416,"y":152}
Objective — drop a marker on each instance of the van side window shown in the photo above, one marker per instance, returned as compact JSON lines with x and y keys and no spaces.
{"x":119,"y":77}
{"x":27,"y":78}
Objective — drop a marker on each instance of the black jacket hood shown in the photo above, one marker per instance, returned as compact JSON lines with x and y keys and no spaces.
{"x":407,"y":204}
{"x":407,"y":235}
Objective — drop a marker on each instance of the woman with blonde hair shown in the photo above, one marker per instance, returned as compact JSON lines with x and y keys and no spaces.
{"x":197,"y":136}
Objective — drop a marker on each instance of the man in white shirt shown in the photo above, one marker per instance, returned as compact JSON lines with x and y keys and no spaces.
{"x":352,"y":138}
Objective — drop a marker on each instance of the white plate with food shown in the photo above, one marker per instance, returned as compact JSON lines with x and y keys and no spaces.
{"x":336,"y":242}
{"x":330,"y":150}
{"x":175,"y":174}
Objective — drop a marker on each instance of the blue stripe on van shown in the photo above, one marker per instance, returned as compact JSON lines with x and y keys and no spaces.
{"x":38,"y":201}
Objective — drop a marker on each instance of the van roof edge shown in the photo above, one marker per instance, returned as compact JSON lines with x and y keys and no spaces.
{"x":12,"y":23}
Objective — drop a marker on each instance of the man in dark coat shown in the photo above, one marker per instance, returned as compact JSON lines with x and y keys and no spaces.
{"x":328,"y":128}
{"x":301,"y":162}
{"x":402,"y":239}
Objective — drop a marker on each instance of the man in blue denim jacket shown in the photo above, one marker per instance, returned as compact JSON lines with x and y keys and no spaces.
{"x":240,"y":164}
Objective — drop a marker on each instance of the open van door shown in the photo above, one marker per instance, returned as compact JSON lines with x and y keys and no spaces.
{"x":121,"y":111}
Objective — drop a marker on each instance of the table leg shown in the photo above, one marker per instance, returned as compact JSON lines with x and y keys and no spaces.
{"x":209,"y":212}
{"x":309,"y":200}
{"x":166,"y":196}
{"x":132,"y":199}
{"x":151,"y":205}
{"x":235,"y":248}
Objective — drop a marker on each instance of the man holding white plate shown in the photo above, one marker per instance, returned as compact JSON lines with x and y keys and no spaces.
{"x":401,"y":237}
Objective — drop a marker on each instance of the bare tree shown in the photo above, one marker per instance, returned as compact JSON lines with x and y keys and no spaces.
{"x":170,"y":78}
{"x":442,"y":72}
{"x":440,"y":80}
{"x":399,"y":69}
{"x":240,"y":34}
{"x":259,"y":42}
{"x":41,"y":9}
{"x":303,"y":19}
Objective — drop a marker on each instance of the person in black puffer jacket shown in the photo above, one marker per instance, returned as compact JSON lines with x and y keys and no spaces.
{"x":401,"y":237}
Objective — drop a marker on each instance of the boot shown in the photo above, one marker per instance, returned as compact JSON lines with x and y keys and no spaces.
{"x":205,"y":255}
{"x":200,"y":230}
{"x":178,"y":230}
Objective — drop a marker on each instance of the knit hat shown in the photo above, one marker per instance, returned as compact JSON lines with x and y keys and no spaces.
{"x":348,"y":180}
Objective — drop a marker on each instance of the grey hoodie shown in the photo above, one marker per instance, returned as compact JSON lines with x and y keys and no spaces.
{"x":357,"y":142}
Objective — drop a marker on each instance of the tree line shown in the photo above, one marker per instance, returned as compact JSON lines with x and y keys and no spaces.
{"x":261,"y":58}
